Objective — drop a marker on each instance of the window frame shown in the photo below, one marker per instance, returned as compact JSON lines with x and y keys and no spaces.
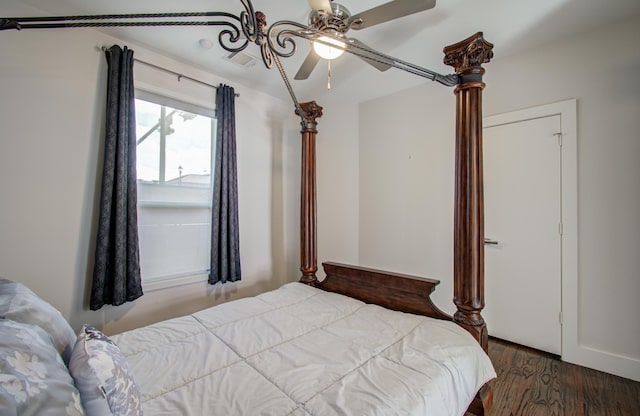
{"x":196,"y":276}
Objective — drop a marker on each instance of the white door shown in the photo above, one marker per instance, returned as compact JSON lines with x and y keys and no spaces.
{"x":522,"y":185}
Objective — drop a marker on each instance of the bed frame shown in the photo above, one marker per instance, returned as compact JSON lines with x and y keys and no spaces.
{"x":410,"y":293}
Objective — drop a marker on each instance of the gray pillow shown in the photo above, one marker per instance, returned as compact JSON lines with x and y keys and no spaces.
{"x":33,"y":378}
{"x":20,"y":304}
{"x":103,"y":376}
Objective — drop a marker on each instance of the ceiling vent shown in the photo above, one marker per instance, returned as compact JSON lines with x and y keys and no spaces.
{"x":242,"y":59}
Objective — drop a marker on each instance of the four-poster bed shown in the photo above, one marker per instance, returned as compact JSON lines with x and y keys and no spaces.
{"x":407,"y":293}
{"x":392,"y":291}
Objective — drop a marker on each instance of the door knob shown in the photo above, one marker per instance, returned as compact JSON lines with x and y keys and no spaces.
{"x":490,"y":241}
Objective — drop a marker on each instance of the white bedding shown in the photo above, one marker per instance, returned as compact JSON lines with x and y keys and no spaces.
{"x":301,"y":351}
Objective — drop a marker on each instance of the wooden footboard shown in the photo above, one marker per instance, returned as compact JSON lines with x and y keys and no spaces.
{"x":482,"y":402}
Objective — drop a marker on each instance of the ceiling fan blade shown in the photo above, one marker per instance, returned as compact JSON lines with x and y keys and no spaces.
{"x":307,"y":66}
{"x":389,"y":11}
{"x":377,"y":65}
{"x":320,"y":5}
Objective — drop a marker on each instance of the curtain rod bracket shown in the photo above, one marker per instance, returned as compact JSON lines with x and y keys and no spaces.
{"x":6,"y":24}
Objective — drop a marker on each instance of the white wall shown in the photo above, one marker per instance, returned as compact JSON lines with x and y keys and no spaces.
{"x":51,"y":113}
{"x":337,"y":178}
{"x":406,"y":185}
{"x":406,"y":178}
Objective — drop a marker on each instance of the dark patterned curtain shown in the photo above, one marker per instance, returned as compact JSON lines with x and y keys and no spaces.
{"x":116,"y":273}
{"x":225,"y":233}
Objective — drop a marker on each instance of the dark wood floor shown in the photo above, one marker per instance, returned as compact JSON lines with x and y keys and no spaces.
{"x":532,"y":383}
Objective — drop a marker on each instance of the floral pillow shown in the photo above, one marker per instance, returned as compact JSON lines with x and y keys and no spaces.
{"x":20,"y":304}
{"x":103,"y":376}
{"x":33,"y":378}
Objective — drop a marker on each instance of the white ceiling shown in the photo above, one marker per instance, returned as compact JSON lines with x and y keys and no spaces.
{"x":511,"y":25}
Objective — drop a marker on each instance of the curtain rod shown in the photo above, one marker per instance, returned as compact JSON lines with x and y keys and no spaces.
{"x":179,"y":75}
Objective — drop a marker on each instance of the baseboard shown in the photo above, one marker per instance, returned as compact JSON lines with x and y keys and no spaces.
{"x":619,"y":365}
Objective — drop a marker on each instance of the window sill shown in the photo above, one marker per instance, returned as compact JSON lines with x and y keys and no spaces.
{"x":169,"y":204}
{"x":173,"y":281}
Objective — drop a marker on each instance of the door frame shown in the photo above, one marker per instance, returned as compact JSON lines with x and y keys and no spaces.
{"x":569,"y":212}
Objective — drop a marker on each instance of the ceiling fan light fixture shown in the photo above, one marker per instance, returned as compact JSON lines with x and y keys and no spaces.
{"x":326,"y":51}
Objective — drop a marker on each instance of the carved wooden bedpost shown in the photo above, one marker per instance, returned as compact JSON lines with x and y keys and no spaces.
{"x":308,"y":228}
{"x":467,"y":57}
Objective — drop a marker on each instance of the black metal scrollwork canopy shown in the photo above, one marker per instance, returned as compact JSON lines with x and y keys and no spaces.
{"x":238,"y":31}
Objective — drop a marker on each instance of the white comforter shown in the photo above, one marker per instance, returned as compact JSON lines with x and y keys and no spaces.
{"x":302,"y":351}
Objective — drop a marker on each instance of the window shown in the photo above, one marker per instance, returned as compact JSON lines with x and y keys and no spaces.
{"x":174,"y":165}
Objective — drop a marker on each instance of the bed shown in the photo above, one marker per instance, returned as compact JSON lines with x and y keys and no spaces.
{"x":358,"y":342}
{"x":298,"y":350}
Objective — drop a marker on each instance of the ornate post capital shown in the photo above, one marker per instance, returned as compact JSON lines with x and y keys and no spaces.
{"x":261,"y":21}
{"x":312,"y":111}
{"x":467,"y":56}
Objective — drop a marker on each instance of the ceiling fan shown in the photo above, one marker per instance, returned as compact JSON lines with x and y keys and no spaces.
{"x":335,"y":20}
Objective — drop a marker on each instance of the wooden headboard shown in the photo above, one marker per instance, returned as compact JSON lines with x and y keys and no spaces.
{"x":391,"y":290}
